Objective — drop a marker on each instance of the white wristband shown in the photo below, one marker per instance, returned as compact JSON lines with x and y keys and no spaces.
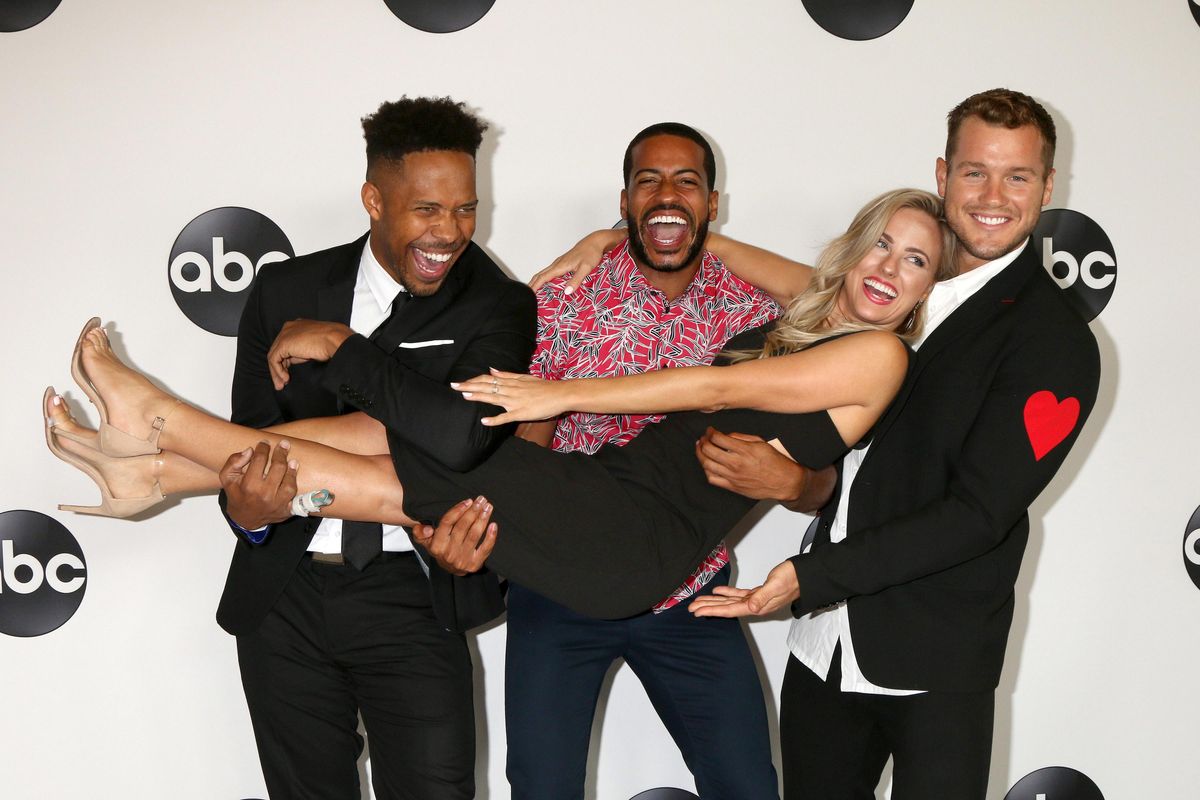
{"x":311,"y":502}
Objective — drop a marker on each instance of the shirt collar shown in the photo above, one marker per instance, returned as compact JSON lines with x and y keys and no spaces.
{"x":960,"y":287}
{"x":624,"y":271}
{"x":382,"y":286}
{"x":948,"y":295}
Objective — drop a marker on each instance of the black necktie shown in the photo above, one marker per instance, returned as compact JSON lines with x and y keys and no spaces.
{"x":386,"y":333}
{"x":362,"y":541}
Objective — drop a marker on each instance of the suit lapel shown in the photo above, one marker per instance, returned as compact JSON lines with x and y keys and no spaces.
{"x":336,"y":298}
{"x":978,"y":310}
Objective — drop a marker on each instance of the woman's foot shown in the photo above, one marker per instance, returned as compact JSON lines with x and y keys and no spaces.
{"x":133,"y":410}
{"x":58,"y":416}
{"x":127,"y":485}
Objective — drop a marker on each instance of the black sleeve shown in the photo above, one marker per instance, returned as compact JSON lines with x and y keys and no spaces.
{"x":996,"y":478}
{"x":427,"y":413}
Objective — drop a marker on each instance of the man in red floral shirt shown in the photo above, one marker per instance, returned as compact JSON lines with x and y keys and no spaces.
{"x":657,"y":300}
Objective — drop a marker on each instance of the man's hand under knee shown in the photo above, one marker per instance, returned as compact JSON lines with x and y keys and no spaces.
{"x":259,"y":486}
{"x":463,"y":539}
{"x":751,"y":467}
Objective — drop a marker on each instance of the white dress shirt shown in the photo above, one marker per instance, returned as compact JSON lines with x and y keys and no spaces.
{"x":814,"y":636}
{"x":374,"y":292}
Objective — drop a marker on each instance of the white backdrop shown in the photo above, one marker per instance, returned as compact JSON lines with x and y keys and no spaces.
{"x":123,"y":121}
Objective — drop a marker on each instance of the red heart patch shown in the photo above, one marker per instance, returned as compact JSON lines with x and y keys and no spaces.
{"x":1048,"y":421}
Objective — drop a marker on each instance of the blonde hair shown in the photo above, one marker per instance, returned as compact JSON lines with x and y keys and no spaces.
{"x":807,"y":319}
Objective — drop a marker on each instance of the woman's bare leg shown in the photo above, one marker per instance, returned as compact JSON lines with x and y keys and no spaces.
{"x":364,"y":487}
{"x":350,"y":433}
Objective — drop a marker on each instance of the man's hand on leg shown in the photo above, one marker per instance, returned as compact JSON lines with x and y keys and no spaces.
{"x":259,"y":485}
{"x":463,"y":539}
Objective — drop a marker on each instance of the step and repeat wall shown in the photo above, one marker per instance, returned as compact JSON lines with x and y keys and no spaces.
{"x":155,"y":154}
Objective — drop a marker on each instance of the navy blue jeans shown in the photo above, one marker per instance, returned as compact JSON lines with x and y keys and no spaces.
{"x":698,"y":674}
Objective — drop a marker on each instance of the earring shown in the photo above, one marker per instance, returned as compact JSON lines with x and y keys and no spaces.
{"x":911,"y":322}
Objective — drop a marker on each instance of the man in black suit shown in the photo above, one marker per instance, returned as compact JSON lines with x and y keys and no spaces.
{"x":906,"y":597}
{"x":334,"y":620}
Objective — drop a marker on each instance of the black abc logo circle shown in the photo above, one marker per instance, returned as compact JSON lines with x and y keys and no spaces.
{"x":19,"y":15}
{"x":42,"y":574}
{"x":664,"y":794}
{"x":860,"y":20}
{"x":214,"y":260}
{"x":1079,"y":257}
{"x":1191,"y":548}
{"x":444,"y":16}
{"x":1055,"y":783}
{"x":1194,"y":5}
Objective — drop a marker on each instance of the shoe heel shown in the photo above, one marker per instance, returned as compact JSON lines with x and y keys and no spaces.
{"x":109,"y":506}
{"x":96,"y":511}
{"x":116,"y":507}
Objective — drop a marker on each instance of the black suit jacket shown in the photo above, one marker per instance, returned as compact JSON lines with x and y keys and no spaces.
{"x":487,"y":319}
{"x":937,"y":520}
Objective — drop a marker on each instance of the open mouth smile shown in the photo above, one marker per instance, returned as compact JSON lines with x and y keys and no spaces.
{"x":879,"y":292}
{"x":431,"y":264}
{"x":667,"y":231}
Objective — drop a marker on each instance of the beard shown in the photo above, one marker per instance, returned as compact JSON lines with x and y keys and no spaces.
{"x":986,"y":251}
{"x":642,"y":256}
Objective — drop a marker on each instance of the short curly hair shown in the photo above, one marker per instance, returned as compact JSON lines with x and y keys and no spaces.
{"x":417,"y":124}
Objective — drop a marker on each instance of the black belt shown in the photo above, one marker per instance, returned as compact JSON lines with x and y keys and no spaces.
{"x":336,"y":559}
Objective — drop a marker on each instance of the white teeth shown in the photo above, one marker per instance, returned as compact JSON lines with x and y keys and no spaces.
{"x":667,"y":220}
{"x":880,"y":287}
{"x":441,"y":258}
{"x":991,"y":220}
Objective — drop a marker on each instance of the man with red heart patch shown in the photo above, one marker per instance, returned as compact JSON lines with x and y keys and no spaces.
{"x":905,"y":597}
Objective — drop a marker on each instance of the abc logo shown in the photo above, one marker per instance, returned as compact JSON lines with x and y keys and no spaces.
{"x":214,"y":261}
{"x":42,"y":574}
{"x":445,"y":16}
{"x":1191,"y":548}
{"x":865,"y":19}
{"x":1194,"y":5}
{"x":1055,"y":783}
{"x":18,"y":15}
{"x":1079,"y":256}
{"x":664,"y":794}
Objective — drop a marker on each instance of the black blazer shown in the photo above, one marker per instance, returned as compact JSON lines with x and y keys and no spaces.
{"x":487,"y":319}
{"x":937,"y":519}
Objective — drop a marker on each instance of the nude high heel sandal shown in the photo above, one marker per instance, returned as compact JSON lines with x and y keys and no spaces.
{"x":113,"y":441}
{"x":109,"y":506}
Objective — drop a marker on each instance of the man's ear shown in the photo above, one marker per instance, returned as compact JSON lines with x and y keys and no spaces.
{"x":1048,"y":192}
{"x":714,"y":204}
{"x":940,"y":171}
{"x":372,"y":200}
{"x":624,"y":203}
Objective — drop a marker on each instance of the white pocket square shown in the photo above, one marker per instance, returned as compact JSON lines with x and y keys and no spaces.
{"x":430,"y":343}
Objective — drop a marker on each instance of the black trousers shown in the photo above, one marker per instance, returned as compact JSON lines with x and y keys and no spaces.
{"x":835,"y":744}
{"x":338,"y":643}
